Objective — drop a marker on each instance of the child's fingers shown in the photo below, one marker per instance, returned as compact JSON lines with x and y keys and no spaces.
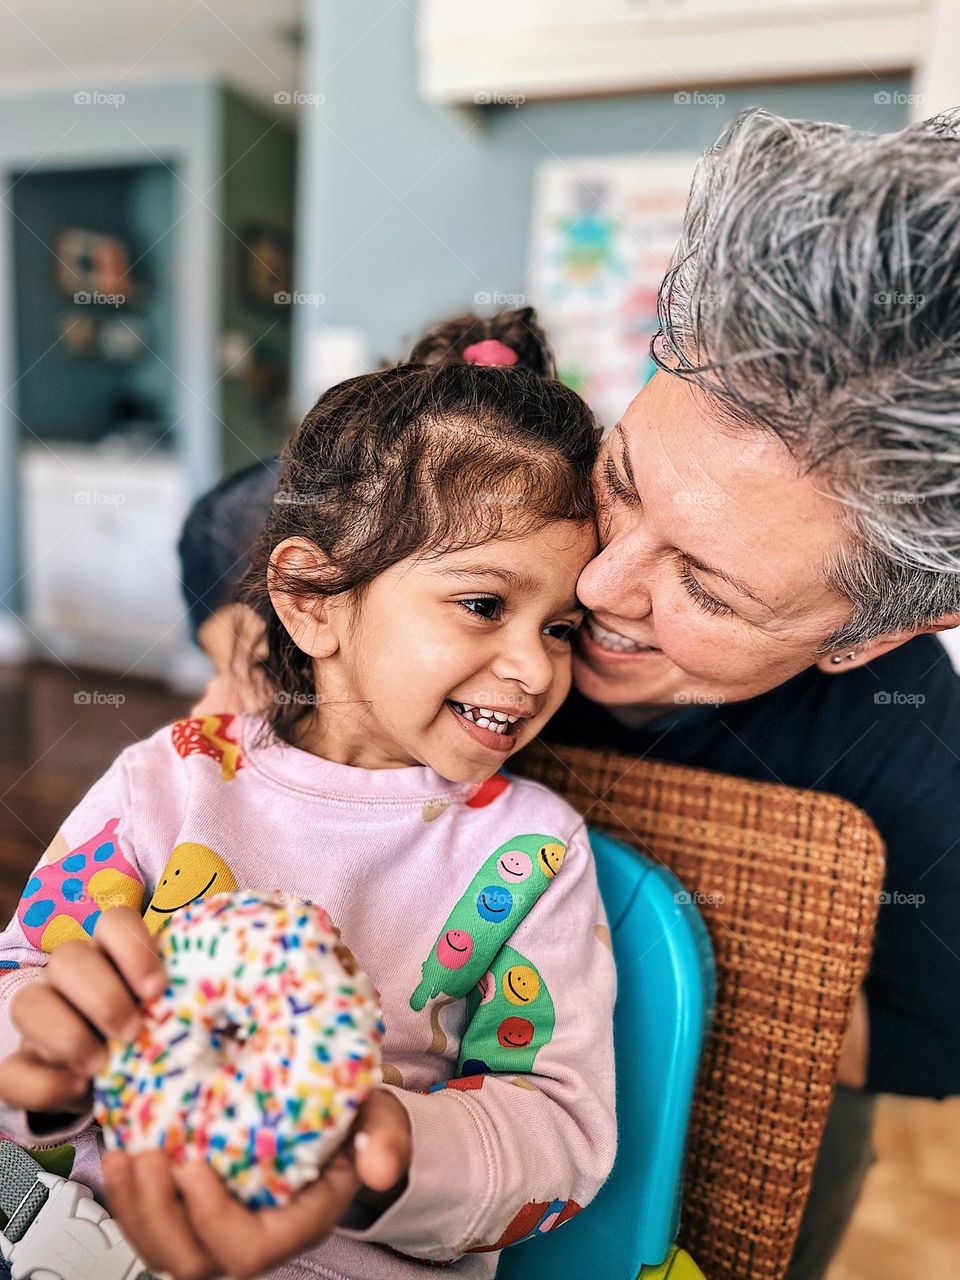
{"x":87,"y":980}
{"x":245,"y":1243}
{"x":122,"y":934}
{"x":56,"y":1032}
{"x":144,"y":1201}
{"x":382,"y":1142}
{"x":378,"y":1162}
{"x":29,"y":1084}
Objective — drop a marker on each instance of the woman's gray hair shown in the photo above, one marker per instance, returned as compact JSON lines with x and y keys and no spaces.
{"x":816,"y":293}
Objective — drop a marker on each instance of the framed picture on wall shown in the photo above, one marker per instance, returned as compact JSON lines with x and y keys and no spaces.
{"x":92,"y":264}
{"x":266,"y":266}
{"x":602,"y":234}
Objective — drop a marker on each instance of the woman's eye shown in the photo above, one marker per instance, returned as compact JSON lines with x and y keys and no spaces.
{"x":561,"y":630}
{"x":616,"y":485}
{"x":489,"y":607}
{"x":707,"y":602}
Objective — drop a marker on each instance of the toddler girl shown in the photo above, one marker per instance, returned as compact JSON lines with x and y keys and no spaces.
{"x":416,"y":578}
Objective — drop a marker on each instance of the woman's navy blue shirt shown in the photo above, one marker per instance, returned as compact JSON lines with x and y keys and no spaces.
{"x":887,"y":737}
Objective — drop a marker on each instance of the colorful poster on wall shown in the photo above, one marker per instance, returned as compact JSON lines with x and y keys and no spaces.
{"x":604,"y":229}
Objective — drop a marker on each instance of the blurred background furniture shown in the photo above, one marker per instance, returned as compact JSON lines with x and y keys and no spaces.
{"x":146,"y":273}
{"x":787,"y":883}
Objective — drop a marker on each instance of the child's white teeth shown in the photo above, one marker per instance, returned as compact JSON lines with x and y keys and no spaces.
{"x":497,"y":721}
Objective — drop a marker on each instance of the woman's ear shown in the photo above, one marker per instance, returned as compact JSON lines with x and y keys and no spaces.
{"x":859,"y":655}
{"x":312,"y":620}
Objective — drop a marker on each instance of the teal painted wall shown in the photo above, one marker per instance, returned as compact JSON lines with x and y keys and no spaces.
{"x":407,"y":210}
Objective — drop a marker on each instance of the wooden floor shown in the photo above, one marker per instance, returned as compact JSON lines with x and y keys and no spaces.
{"x":907,"y":1224}
{"x":59,"y":732}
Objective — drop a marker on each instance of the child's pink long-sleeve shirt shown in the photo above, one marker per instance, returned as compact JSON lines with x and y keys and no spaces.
{"x":503,"y":1060}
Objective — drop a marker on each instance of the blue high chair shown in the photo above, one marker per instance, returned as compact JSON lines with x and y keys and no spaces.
{"x":665,"y":994}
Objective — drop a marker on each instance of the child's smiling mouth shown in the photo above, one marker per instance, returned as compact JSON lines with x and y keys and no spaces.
{"x":496,"y":730}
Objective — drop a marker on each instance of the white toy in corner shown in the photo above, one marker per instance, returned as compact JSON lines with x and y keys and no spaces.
{"x":72,"y":1237}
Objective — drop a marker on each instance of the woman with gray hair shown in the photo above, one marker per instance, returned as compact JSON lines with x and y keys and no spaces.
{"x":781,"y":534}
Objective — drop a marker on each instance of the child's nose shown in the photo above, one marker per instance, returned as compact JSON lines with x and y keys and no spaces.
{"x":527,"y":662}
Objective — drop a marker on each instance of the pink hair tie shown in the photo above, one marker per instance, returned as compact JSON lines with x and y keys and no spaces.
{"x":490,"y":351}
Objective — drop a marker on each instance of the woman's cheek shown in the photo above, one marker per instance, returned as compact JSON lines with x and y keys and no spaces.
{"x":704,"y":646}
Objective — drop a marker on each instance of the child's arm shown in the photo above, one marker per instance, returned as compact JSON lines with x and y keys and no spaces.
{"x":45,"y":1040}
{"x":519,"y":1148}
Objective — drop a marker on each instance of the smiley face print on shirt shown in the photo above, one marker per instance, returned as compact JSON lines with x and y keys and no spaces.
{"x":193,"y":871}
{"x":495,"y":902}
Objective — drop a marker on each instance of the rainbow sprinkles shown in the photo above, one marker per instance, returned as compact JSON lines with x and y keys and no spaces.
{"x":257,"y":1055}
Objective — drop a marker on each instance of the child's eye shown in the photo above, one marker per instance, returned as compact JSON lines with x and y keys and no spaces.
{"x":707,"y":602}
{"x":561,"y":630}
{"x":489,"y":607}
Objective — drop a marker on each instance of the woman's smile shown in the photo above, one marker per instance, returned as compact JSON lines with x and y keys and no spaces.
{"x":602,"y":643}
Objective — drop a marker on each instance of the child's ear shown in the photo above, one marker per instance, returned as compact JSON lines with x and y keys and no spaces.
{"x":312,"y":620}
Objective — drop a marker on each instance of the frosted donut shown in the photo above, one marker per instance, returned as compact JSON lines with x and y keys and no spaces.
{"x":256,"y":1056}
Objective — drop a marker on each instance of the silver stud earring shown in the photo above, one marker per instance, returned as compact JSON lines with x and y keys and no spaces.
{"x":838,"y":657}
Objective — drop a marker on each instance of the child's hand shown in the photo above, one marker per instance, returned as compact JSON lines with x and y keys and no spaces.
{"x":182,"y":1220}
{"x":87,"y":992}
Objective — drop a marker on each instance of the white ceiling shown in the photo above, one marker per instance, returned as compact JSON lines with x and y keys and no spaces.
{"x":104,"y":44}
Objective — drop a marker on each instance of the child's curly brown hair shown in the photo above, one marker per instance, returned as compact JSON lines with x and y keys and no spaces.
{"x":419,"y":459}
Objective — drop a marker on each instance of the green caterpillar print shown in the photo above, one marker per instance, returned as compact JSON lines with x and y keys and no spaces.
{"x":497,"y":899}
{"x":510,"y":1016}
